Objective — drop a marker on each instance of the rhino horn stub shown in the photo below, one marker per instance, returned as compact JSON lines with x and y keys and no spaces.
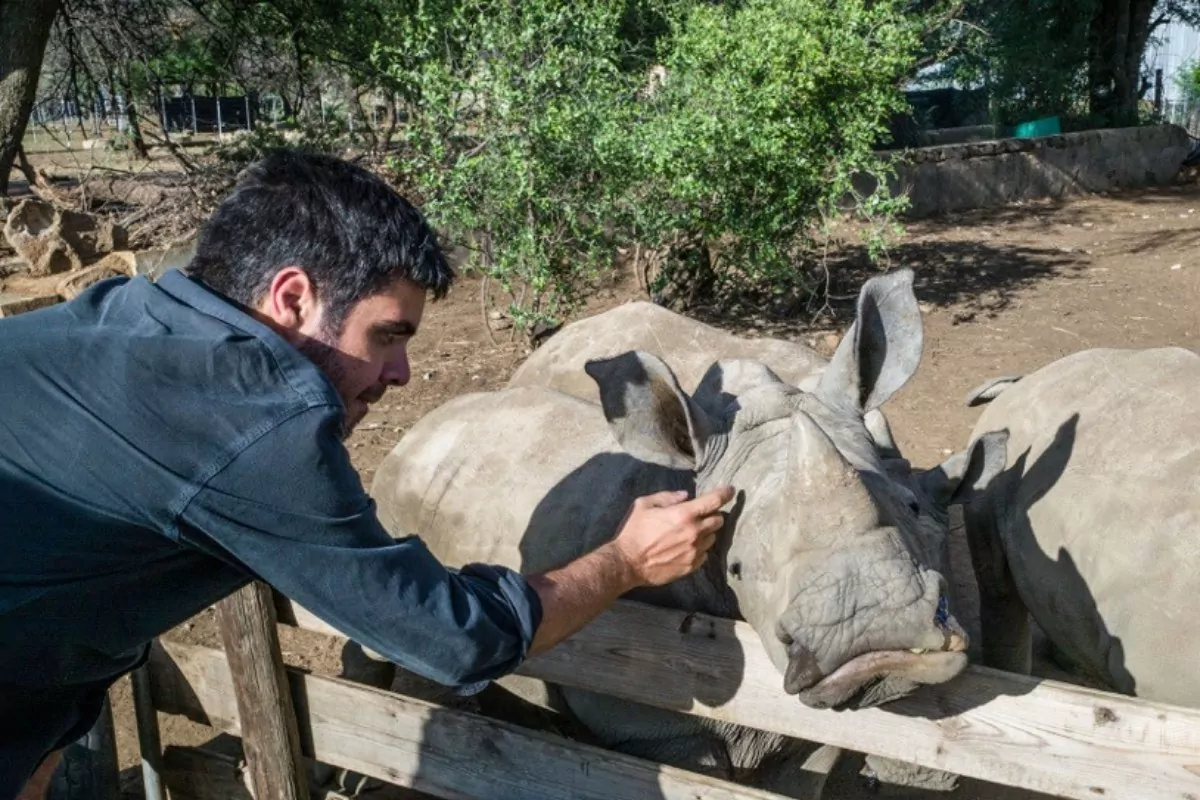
{"x":823,"y":483}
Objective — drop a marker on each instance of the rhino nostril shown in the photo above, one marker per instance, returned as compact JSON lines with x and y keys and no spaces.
{"x":802,"y":671}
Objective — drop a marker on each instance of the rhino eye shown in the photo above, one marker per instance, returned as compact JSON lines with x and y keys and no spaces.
{"x":914,"y":507}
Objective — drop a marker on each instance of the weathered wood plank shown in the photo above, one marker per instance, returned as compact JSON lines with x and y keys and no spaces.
{"x":1011,"y":729}
{"x":260,"y":686}
{"x":426,"y":747}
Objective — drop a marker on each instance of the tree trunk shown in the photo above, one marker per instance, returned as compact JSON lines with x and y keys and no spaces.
{"x":1120,"y":30}
{"x":24,"y":30}
{"x":135,"y":124}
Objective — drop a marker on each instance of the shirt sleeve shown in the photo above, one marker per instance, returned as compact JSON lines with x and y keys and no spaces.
{"x":291,"y":510}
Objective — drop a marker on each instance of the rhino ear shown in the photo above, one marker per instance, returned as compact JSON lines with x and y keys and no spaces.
{"x":968,"y":472}
{"x":990,"y":390}
{"x":882,"y":348}
{"x":727,"y":379}
{"x":651,"y":416}
{"x":881,"y":433}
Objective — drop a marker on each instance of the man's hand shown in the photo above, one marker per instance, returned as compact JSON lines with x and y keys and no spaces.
{"x":663,"y":538}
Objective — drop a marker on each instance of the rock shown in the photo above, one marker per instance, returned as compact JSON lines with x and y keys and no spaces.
{"x":55,"y":240}
{"x":92,"y":236}
{"x":830,"y":342}
{"x":34,"y":229}
{"x":111,"y":266}
{"x":155,"y":262}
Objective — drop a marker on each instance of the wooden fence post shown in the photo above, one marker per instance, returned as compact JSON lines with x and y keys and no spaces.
{"x":270,"y":737}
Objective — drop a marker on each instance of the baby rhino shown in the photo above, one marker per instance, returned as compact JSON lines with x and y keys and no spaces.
{"x":1093,"y":529}
{"x":838,"y":568}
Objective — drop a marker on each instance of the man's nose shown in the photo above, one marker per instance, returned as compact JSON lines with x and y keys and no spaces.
{"x":396,"y":371}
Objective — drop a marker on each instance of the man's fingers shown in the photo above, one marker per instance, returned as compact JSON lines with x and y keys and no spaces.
{"x":710,"y":525}
{"x":710,"y":502}
{"x":663,"y":499}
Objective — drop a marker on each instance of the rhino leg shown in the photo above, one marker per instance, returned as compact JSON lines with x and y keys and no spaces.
{"x":802,"y":774}
{"x":903,"y":773}
{"x":531,"y":703}
{"x":362,"y":665}
{"x":704,"y":755}
{"x":1003,"y":617}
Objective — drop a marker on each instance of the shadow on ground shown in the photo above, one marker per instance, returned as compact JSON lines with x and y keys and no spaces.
{"x":983,"y":277}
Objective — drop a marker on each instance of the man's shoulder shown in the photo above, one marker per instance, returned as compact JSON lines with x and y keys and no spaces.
{"x":206,"y":343}
{"x":169,"y":367}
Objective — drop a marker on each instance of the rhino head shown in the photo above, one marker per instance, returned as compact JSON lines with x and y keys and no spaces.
{"x":835,"y":563}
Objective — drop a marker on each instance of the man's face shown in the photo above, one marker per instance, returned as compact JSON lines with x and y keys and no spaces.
{"x":368,"y":354}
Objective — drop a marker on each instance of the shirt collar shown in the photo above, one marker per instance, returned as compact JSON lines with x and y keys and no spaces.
{"x":301,"y":372}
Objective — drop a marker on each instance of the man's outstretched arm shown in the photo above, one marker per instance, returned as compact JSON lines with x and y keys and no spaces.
{"x":664,"y":537}
{"x":311,"y":532}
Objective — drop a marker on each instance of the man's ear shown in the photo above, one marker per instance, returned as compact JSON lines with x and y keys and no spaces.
{"x":290,"y":302}
{"x":652,"y":418}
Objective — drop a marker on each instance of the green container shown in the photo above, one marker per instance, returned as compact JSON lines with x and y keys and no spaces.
{"x":1046,"y":126}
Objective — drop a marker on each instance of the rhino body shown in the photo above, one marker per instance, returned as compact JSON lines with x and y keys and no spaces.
{"x":689,"y":347}
{"x":838,"y":566}
{"x":1093,"y":528}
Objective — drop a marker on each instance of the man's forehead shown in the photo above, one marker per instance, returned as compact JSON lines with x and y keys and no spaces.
{"x":399,"y":306}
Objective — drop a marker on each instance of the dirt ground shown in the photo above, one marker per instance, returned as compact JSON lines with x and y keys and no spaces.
{"x":1004,"y":291}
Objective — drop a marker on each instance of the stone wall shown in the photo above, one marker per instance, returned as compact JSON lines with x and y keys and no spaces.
{"x":956,"y":177}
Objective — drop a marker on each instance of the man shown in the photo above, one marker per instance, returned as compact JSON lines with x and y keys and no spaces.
{"x":162,"y":444}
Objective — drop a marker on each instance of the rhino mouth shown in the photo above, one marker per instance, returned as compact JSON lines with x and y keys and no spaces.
{"x":899,"y":668}
{"x":878,"y":676}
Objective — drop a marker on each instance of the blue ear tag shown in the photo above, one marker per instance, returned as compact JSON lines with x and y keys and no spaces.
{"x":943,"y":611}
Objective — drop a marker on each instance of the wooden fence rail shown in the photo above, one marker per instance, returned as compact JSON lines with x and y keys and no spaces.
{"x":411,"y":743}
{"x":1010,"y":729}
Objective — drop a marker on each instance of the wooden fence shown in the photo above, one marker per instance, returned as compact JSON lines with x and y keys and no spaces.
{"x":1046,"y":736}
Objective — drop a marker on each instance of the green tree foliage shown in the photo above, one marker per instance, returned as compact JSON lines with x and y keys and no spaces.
{"x":715,"y":140}
{"x":1080,"y":59}
{"x":767,"y":114}
{"x":546,"y":134}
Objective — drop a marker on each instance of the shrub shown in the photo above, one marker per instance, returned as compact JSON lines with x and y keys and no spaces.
{"x":541,"y":137}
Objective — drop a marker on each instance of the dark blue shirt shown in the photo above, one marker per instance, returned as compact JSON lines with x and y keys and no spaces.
{"x":160,"y":448}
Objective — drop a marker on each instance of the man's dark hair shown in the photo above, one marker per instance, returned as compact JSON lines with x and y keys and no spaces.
{"x":351,"y":232}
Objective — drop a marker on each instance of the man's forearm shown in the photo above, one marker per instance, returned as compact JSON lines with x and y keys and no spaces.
{"x":578,"y":592}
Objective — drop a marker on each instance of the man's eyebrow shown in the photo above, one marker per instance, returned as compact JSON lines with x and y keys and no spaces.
{"x":397,"y":327}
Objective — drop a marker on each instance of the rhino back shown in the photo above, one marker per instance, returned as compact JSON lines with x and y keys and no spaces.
{"x":1101,"y":511}
{"x":525,"y":477}
{"x":688,"y":345}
